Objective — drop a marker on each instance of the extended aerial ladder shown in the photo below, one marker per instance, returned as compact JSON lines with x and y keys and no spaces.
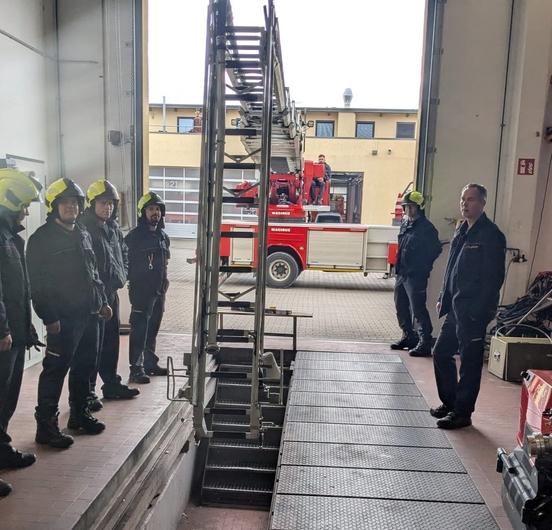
{"x":243,"y":65}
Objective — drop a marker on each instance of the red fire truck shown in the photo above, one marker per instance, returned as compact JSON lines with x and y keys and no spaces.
{"x":297,"y":243}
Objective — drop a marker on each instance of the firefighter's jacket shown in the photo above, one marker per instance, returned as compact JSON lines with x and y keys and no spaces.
{"x":63,"y":272}
{"x":110,"y":250}
{"x":419,"y":247}
{"x":15,"y":299}
{"x":475,"y":271}
{"x":148,"y":257}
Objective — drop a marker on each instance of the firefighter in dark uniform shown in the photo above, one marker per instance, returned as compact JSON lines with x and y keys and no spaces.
{"x":468,"y":299}
{"x":148,"y":257}
{"x":17,"y":191}
{"x":419,"y":247}
{"x":100,"y":219}
{"x":321,"y":182}
{"x":69,"y":297}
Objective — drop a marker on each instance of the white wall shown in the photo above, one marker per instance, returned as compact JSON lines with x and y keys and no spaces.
{"x":94,"y":94}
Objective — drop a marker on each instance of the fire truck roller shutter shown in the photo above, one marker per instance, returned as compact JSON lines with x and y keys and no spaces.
{"x":282,"y":270}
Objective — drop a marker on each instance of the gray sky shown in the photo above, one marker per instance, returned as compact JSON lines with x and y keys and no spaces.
{"x":371,"y":46}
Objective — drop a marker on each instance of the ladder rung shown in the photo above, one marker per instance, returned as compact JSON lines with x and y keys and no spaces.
{"x":236,"y":234}
{"x":244,"y":29}
{"x":231,"y":338}
{"x":241,"y":132}
{"x":240,"y":65}
{"x":245,"y":37}
{"x":239,"y":200}
{"x":240,"y":165}
{"x":244,"y":97}
{"x":235,"y":332}
{"x":243,"y":305}
{"x":236,"y":46}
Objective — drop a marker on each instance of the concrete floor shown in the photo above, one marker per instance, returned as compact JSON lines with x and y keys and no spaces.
{"x":345,"y":306}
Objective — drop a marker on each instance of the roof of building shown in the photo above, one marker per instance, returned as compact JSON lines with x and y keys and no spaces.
{"x":310,"y":109}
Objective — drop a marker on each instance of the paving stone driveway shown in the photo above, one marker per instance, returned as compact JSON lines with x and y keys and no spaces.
{"x":344,"y":306}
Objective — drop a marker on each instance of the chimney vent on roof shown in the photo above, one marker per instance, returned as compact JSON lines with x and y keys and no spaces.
{"x":347,"y":97}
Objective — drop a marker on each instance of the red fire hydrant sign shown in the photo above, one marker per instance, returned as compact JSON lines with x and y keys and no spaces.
{"x":526,"y":166}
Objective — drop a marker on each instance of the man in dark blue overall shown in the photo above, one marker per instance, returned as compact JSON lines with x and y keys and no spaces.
{"x":148,"y":257}
{"x":469,"y":298}
{"x":419,"y":247}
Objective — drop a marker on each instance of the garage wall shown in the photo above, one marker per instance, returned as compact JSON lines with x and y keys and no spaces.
{"x":23,"y":100}
{"x":480,"y":52}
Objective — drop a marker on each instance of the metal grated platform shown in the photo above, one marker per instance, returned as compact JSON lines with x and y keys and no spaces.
{"x":405,"y":418}
{"x":350,"y":357}
{"x":371,"y":456}
{"x":349,"y":375}
{"x":293,"y":512}
{"x":353,"y":366}
{"x":377,"y":484}
{"x":364,"y":434}
{"x":355,"y":387}
{"x":360,"y":401}
{"x":360,"y":451}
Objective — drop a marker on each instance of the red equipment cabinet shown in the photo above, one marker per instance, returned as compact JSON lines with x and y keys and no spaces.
{"x":536,"y":403}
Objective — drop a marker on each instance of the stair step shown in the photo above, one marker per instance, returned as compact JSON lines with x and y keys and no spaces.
{"x":221,"y":491}
{"x":241,"y":444}
{"x":242,"y":467}
{"x":229,"y":425}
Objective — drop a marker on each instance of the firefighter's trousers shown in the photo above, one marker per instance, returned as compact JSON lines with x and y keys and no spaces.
{"x":73,"y":349}
{"x":467,"y":338}
{"x":410,"y":304}
{"x":12,"y":363}
{"x":145,"y":321}
{"x":108,"y":352}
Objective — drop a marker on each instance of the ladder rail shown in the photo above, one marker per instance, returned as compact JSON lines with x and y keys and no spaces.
{"x":260,"y":292}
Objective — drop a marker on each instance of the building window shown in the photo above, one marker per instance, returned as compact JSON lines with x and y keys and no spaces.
{"x":325,"y":129}
{"x":364,"y":129}
{"x":406,"y":129}
{"x":184,"y":125}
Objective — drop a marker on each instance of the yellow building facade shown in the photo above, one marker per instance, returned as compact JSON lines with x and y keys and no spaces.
{"x":371,"y":152}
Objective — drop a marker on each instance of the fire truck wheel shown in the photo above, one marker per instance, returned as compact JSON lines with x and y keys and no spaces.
{"x":282,"y":270}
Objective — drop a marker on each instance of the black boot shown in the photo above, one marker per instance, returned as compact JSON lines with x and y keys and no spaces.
{"x":155,"y":370}
{"x":47,"y":432}
{"x":80,"y":418}
{"x":138,"y":375}
{"x":118,"y":391}
{"x":422,"y":349}
{"x":5,"y":488}
{"x":12,"y":459}
{"x":93,"y":402}
{"x":405,"y":342}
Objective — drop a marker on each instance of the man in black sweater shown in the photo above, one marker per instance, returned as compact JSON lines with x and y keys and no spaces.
{"x":17,"y":191}
{"x":419,"y":247}
{"x":69,"y":297}
{"x":100,"y":219}
{"x":148,"y":257}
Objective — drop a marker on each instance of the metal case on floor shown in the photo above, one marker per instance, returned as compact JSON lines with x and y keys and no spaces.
{"x":510,"y":356}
